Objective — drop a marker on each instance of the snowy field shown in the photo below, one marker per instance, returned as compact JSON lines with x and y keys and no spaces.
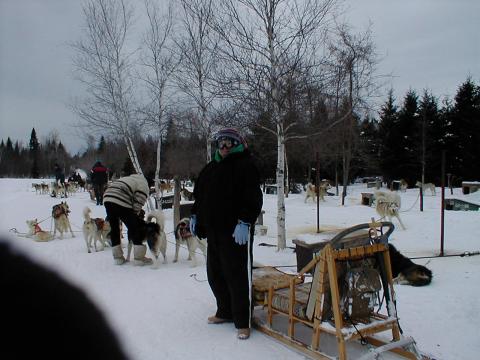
{"x":161,"y":313}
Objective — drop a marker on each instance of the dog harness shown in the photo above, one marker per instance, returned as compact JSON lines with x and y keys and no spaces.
{"x":59,"y":210}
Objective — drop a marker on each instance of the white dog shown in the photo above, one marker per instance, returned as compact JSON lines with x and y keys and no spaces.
{"x":184,"y":236}
{"x":426,"y":186}
{"x":388,"y":204}
{"x":94,"y":229}
{"x":60,"y":219}
{"x":35,"y":232}
{"x":310,"y":191}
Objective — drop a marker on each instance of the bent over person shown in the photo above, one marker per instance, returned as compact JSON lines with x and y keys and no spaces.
{"x":228,"y":201}
{"x":123,"y":199}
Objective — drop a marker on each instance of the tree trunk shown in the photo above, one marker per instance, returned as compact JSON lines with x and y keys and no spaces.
{"x":281,"y":233}
{"x":157,"y":169}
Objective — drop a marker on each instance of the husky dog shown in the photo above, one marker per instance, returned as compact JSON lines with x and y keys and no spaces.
{"x":403,"y":185}
{"x":153,"y":233}
{"x":388,"y":205}
{"x":426,"y":186}
{"x":184,"y":236}
{"x":60,"y":219}
{"x":35,"y":232}
{"x":310,"y":191}
{"x":187,"y":195}
{"x":94,"y":229}
{"x":406,"y":272}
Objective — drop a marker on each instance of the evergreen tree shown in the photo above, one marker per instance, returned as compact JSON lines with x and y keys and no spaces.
{"x":432,"y":133}
{"x":464,"y":159}
{"x":388,"y":138}
{"x":102,"y":145}
{"x":369,"y":148}
{"x":127,"y":168}
{"x":34,"y":154}
{"x":408,"y":159}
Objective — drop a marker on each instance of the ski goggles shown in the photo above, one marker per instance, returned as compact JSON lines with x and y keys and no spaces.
{"x":226,"y":142}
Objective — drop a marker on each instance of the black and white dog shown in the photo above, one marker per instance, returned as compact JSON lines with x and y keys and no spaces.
{"x":406,"y":272}
{"x":153,"y":233}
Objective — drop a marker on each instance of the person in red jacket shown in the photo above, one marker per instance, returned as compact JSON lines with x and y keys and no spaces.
{"x":99,"y":178}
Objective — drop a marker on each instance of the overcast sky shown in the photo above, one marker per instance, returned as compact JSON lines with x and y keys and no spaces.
{"x":425,"y":44}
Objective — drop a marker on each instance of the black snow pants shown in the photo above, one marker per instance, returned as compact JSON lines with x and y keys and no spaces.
{"x":117,"y":213}
{"x":229,"y":272}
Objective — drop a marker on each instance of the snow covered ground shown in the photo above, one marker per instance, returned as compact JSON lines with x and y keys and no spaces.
{"x":161,"y":313}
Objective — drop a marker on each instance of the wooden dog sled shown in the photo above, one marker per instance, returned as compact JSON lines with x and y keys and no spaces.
{"x":342,"y":304}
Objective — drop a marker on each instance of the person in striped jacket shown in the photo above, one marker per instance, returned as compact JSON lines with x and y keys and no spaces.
{"x":123,"y":200}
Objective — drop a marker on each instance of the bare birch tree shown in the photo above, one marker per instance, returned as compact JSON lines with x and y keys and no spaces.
{"x":354,"y":62}
{"x":160,"y":62}
{"x":197,"y":45}
{"x":268,"y":42}
{"x":105,"y":68}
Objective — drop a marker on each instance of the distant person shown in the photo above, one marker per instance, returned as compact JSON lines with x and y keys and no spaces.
{"x":59,"y":175}
{"x":228,"y":201}
{"x":46,"y":317}
{"x":124,"y":198}
{"x":99,"y":178}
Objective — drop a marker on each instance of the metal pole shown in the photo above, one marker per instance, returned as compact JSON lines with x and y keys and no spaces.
{"x":442,"y":218}
{"x":317,"y":189}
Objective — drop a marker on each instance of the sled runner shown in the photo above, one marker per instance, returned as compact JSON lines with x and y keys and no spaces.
{"x":350,"y":297}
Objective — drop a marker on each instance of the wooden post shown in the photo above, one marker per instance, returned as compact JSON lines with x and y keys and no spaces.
{"x":176,"y":200}
{"x":421,"y":197}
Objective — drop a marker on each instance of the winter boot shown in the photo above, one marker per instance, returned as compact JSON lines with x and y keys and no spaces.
{"x":139,"y":258}
{"x":118,"y":255}
{"x":243,"y":334}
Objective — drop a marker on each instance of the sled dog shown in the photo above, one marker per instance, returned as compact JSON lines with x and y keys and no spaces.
{"x":95,"y":229}
{"x":426,"y":186}
{"x":388,"y":205}
{"x":36,"y":233}
{"x":187,"y":195}
{"x":310,"y":191}
{"x":153,"y":233}
{"x":406,"y":272}
{"x":184,"y":236}
{"x":60,"y":219}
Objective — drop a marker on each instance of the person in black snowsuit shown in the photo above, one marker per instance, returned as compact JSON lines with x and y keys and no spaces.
{"x":59,"y":174}
{"x":228,"y":200}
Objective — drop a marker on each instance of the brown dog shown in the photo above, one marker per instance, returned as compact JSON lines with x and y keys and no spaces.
{"x":184,"y":236}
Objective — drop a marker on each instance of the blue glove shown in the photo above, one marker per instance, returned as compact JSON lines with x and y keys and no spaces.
{"x":241,"y":233}
{"x":193,"y":224}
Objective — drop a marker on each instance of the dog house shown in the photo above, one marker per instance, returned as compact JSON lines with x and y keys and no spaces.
{"x":367,"y":199}
{"x":304,"y":251}
{"x":167,"y":202}
{"x":457,"y":204}
{"x":271,"y":189}
{"x":469,"y":187}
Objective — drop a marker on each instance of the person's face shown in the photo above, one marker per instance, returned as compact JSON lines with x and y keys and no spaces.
{"x":225,"y":145}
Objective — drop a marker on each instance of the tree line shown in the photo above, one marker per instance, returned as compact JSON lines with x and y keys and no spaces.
{"x":400,"y":142}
